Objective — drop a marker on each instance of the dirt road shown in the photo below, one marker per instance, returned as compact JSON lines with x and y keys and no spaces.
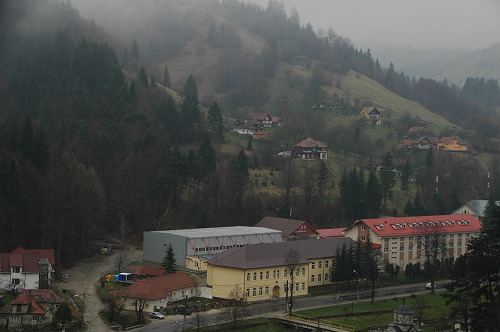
{"x":84,"y":277}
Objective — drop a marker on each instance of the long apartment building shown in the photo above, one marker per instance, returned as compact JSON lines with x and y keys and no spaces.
{"x":261,"y":271}
{"x":401,"y":239}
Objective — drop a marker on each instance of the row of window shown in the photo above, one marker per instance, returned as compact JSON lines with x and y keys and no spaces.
{"x":276,"y":273}
{"x":418,"y":238}
{"x":217,"y":248}
{"x":318,"y":279}
{"x":265,"y":290}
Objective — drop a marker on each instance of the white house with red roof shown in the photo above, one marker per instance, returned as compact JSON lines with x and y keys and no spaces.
{"x":399,"y":238}
{"x":33,"y":307}
{"x":21,"y":268}
{"x":310,"y":149}
{"x":157,"y":292}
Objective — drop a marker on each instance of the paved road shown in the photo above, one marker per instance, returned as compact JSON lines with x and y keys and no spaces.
{"x":274,"y":308}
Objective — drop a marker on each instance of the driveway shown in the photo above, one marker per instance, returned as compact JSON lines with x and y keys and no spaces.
{"x":83,"y":280}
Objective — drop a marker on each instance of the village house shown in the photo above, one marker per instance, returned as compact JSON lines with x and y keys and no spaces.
{"x":476,"y":207}
{"x":451,"y":144}
{"x":157,"y":292}
{"x":425,"y":143}
{"x":261,"y":270}
{"x":400,"y":238}
{"x":266,"y":119}
{"x":310,"y":149}
{"x":370,"y":113}
{"x":22,"y":268}
{"x":249,"y":128}
{"x":291,"y":229}
{"x":301,"y":62}
{"x":32,"y":308}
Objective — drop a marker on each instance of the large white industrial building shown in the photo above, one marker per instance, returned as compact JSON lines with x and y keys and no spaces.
{"x":203,"y":242}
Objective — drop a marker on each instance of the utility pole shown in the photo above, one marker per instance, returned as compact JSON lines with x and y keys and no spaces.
{"x":286,"y":296}
{"x":357,"y":282}
{"x":185,"y":311}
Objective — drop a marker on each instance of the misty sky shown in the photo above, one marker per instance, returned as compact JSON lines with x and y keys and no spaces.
{"x":465,"y":24}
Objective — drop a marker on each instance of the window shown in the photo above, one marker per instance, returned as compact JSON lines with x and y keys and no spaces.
{"x":191,"y":291}
{"x":363,"y":227}
{"x":285,"y":274}
{"x":319,"y":265}
{"x":16,"y":269}
{"x":319,"y":277}
{"x":267,"y":290}
{"x":312,"y":278}
{"x":297,"y":272}
{"x":248,"y":276}
{"x":15,"y":319}
{"x":326,"y":264}
{"x":297,"y":287}
{"x":274,"y":274}
{"x":261,"y":275}
{"x":255,"y":276}
{"x":267,"y":274}
{"x":401,"y":248}
{"x":260,"y":290}
{"x":313,"y":265}
{"x":410,"y":238}
{"x":254,"y":291}
{"x":247,"y":294}
{"x":16,"y":281}
{"x":363,"y":238}
{"x":303,"y":286}
{"x":386,"y":249}
{"x":18,"y":308}
{"x":278,"y":274}
{"x":451,"y":244}
{"x":410,"y":248}
{"x":303,"y":271}
{"x":326,"y":276}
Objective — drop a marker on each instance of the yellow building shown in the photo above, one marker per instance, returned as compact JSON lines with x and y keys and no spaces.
{"x":262,"y":272}
{"x":451,"y":144}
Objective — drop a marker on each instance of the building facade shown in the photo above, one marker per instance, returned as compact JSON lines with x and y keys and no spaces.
{"x":26,"y":268}
{"x":310,"y":149}
{"x":263,"y":273}
{"x":204,"y":243}
{"x":402,"y":239}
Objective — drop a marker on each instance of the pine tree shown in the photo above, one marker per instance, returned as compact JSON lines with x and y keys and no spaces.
{"x":387,"y":177}
{"x":322,"y":179}
{"x":143,"y":77}
{"x":166,"y":77}
{"x":206,"y":155}
{"x":373,"y":195}
{"x":169,"y":263}
{"x":216,"y":121}
{"x":405,"y":176}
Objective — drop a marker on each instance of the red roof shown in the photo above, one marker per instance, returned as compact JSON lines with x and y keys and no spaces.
{"x":310,"y":143}
{"x":403,"y":226}
{"x":331,"y":232}
{"x":407,"y":142}
{"x":37,"y":295}
{"x":159,"y":287}
{"x":28,"y":259}
{"x":144,"y":270}
{"x":448,"y":140}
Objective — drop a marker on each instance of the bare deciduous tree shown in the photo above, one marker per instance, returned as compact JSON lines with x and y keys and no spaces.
{"x":432,"y":243}
{"x":236,"y":311}
{"x":114,"y":303}
{"x":292,"y":261}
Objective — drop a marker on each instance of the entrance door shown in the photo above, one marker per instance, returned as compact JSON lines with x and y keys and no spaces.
{"x":276,"y":292}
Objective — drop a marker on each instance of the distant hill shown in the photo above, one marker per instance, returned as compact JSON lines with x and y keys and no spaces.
{"x":454,"y":65}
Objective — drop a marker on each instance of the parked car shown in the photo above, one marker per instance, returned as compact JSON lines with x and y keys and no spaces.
{"x":428,"y":285}
{"x":156,"y":315}
{"x":188,"y":311}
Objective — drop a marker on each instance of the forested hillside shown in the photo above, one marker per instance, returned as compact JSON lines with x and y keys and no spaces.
{"x":105,"y":133}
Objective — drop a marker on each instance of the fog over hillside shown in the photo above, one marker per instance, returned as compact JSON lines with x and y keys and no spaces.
{"x":426,"y":23}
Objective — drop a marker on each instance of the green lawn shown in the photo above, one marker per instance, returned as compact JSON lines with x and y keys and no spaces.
{"x":364,"y":315}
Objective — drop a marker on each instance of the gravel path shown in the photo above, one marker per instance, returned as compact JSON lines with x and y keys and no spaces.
{"x":84,"y":278}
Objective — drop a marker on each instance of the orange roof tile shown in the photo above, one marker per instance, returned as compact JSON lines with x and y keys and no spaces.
{"x":159,"y":287}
